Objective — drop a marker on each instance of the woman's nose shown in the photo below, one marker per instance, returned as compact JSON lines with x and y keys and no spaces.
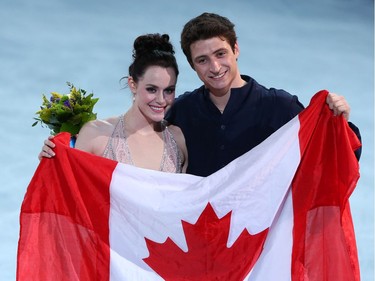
{"x":160,"y":97}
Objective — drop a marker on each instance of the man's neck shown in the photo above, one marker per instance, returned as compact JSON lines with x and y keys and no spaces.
{"x":220,"y":101}
{"x":220,"y":98}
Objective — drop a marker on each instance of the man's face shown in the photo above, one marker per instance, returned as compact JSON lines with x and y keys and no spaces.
{"x":216,"y":64}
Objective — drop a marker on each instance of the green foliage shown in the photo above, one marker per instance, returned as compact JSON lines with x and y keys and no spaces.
{"x":66,"y":113}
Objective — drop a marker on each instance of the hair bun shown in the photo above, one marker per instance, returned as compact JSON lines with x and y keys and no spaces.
{"x":149,"y":43}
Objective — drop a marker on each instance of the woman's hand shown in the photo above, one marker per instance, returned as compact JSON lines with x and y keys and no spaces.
{"x":47,"y":149}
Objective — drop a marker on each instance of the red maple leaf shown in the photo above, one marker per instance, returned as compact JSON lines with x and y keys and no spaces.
{"x":208,"y":257}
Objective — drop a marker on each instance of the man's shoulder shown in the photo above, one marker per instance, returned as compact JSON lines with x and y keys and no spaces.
{"x":272,"y":93}
{"x":277,"y":98}
{"x":189,"y":96}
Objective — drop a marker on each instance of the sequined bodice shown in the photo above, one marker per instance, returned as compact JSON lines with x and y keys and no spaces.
{"x":117,"y":149}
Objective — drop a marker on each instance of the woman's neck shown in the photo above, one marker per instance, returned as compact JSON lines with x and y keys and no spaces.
{"x":136,"y":123}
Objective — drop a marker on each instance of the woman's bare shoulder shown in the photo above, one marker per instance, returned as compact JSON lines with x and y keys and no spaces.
{"x":180,"y":140}
{"x":176,"y":131}
{"x":94,"y":135}
{"x":101,"y":126}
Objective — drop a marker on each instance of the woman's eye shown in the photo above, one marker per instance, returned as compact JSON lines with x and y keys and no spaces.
{"x":151,"y":90}
{"x":169,"y":91}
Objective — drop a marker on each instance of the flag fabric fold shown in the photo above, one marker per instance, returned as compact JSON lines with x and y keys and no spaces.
{"x":279,"y":212}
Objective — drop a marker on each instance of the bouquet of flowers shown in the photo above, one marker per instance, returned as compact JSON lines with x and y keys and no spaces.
{"x":66,"y":113}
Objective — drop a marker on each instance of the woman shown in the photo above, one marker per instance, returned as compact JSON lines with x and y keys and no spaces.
{"x":140,"y":137}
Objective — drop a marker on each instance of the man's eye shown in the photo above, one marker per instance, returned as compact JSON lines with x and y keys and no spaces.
{"x":201,"y":61}
{"x":221,"y":54}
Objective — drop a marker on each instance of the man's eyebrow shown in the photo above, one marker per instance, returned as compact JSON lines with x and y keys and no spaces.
{"x":220,"y":50}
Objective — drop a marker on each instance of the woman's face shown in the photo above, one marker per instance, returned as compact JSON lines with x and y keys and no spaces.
{"x":154,"y":92}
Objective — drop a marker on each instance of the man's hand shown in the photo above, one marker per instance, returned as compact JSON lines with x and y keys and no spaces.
{"x":339,"y":105}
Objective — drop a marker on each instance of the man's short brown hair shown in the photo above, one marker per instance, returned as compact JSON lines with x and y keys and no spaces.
{"x":206,"y":26}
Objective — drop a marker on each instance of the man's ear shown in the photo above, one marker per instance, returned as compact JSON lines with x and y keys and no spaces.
{"x":236,"y":50}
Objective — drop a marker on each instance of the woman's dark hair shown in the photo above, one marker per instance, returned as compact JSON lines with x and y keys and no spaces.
{"x":152,"y":50}
{"x":206,"y":26}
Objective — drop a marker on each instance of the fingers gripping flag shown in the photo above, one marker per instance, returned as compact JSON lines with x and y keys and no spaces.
{"x":279,"y":212}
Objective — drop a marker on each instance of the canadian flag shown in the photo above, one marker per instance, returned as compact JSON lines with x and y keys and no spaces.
{"x":279,"y":212}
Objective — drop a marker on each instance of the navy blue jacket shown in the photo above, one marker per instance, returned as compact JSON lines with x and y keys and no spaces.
{"x":213,"y":139}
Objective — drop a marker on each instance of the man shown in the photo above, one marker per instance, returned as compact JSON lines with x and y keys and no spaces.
{"x":231,"y":113}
